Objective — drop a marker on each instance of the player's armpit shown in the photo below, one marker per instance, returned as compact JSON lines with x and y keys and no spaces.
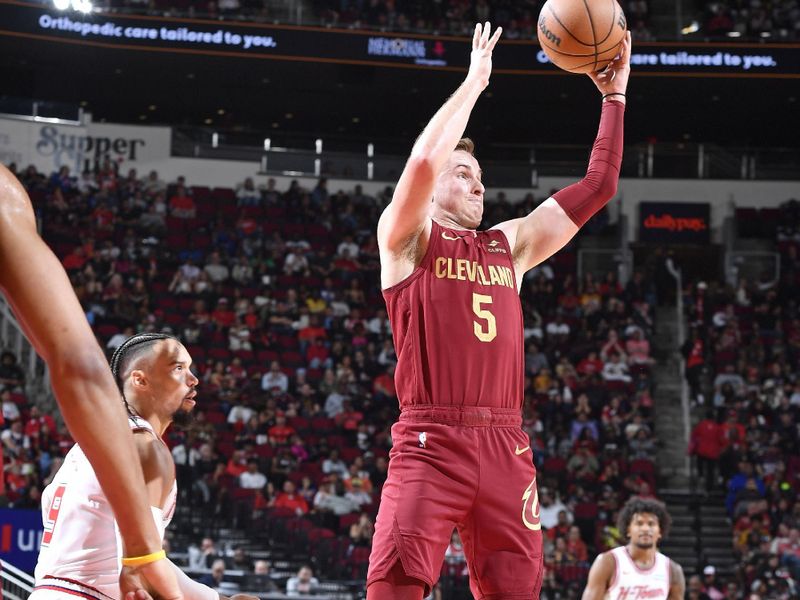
{"x":405,"y":217}
{"x":600,"y":577}
{"x":677,"y":587}
{"x":538,"y":236}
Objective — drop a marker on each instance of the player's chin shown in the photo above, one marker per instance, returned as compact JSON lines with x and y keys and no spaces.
{"x":183,"y":417}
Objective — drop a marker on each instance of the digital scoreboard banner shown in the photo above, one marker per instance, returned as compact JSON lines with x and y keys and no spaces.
{"x":675,"y":222}
{"x":316,"y":44}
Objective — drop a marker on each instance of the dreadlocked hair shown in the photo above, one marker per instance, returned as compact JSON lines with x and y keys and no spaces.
{"x":125,"y":355}
{"x":637,"y":505}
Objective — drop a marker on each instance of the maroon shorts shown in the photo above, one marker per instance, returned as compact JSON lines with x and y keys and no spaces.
{"x":466,"y":468}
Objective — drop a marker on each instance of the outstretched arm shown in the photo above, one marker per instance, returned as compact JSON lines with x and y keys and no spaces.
{"x":405,"y":221}
{"x":554,"y":223}
{"x":35,"y":284}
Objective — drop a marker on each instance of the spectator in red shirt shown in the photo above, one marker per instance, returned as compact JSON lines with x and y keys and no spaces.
{"x":318,"y":355}
{"x":590,"y":365}
{"x":36,"y":421}
{"x":291,"y":500}
{"x":237,"y":464}
{"x":75,"y":260}
{"x":383,"y":386}
{"x":223,"y":316}
{"x":576,"y":546}
{"x":706,"y":444}
{"x":103,"y":217}
{"x":280,"y":433}
{"x":349,"y":418}
{"x":181,"y":204}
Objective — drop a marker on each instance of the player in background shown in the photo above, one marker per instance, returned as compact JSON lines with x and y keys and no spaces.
{"x":638,"y":569}
{"x":81,"y":552}
{"x":36,"y":285}
{"x":460,"y":458}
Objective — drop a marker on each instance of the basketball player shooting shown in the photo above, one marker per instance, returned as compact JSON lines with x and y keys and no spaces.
{"x":80,"y":550}
{"x":36,"y":286}
{"x":638,"y":569}
{"x":460,"y":458}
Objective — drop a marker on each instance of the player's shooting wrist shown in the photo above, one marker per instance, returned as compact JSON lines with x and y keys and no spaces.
{"x":145,"y":559}
{"x":614,"y":96}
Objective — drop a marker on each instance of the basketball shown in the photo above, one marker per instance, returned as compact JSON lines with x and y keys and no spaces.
{"x":581,"y":36}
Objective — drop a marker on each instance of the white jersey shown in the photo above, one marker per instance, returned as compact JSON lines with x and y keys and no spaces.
{"x":632,"y":583}
{"x":81,"y":552}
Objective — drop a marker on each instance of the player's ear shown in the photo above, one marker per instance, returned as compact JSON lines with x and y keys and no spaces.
{"x":138,"y":378}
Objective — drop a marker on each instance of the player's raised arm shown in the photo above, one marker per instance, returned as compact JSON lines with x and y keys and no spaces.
{"x":600,"y":576}
{"x":404,"y":219}
{"x":37,"y":287}
{"x":554,"y":223}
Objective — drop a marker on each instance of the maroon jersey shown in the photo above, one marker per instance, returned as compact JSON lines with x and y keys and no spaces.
{"x":457,"y":324}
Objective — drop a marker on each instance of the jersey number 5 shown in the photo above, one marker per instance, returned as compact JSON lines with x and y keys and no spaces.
{"x":52,"y":515}
{"x":488,"y":333}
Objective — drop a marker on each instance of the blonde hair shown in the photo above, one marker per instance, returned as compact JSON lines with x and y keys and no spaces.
{"x":466,"y":145}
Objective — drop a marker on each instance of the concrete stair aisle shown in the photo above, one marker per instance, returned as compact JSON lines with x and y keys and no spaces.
{"x":701,"y":533}
{"x":671,"y":459}
{"x":716,"y":534}
{"x":683,"y":541}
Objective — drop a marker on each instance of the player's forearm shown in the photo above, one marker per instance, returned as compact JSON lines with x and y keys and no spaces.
{"x":30,"y":274}
{"x":440,"y":136}
{"x":96,"y":419}
{"x":193,"y":590}
{"x":581,"y":200}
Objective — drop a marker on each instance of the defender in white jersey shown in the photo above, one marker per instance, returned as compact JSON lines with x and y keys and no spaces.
{"x":81,"y":553}
{"x":637,"y":571}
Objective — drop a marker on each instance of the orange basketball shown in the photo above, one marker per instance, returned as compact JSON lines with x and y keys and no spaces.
{"x":581,"y":36}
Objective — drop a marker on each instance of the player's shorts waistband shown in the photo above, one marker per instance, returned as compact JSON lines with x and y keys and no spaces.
{"x":467,"y":416}
{"x":70,"y":587}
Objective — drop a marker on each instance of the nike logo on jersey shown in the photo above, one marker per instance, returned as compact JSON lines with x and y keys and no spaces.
{"x":519,"y":450}
{"x":447,"y":236}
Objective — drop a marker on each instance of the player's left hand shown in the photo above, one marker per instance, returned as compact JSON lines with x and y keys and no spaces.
{"x":614,"y":78}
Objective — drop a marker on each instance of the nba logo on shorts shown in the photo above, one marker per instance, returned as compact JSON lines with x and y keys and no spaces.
{"x":423,"y":437}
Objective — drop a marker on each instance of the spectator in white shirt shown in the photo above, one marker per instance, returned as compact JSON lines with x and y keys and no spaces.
{"x":348,"y":246}
{"x":334,"y":464}
{"x":304,"y":583}
{"x":275,"y":378}
{"x":10,"y":409}
{"x":217,"y":272}
{"x":240,"y":413}
{"x":118,"y":338}
{"x":252,"y":479}
{"x":616,"y":370}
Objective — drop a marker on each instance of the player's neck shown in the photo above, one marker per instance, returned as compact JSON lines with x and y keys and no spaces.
{"x":446,"y":220}
{"x":158,"y":423}
{"x":643,"y":558}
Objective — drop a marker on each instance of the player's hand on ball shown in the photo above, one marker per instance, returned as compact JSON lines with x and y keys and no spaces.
{"x":157,"y":577}
{"x":480,"y":66}
{"x":614,"y":78}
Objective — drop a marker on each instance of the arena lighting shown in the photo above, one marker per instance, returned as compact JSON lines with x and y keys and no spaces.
{"x":695,"y":26}
{"x":83,"y":6}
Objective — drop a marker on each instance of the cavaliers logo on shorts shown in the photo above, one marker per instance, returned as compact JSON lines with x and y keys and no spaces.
{"x":530,"y":507}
